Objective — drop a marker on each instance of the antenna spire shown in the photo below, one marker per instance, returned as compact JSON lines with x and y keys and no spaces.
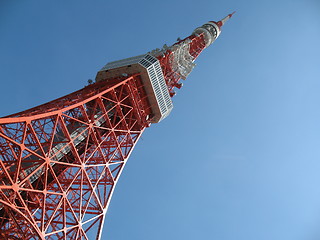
{"x":222,"y":21}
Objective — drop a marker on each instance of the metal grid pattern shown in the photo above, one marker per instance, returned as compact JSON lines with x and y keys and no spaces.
{"x":154,"y":75}
{"x":162,"y":93}
{"x":177,"y":60}
{"x":60,"y":161}
{"x":58,"y":169}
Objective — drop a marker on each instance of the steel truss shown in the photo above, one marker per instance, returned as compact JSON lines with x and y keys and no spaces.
{"x":166,"y":57}
{"x":60,"y":162}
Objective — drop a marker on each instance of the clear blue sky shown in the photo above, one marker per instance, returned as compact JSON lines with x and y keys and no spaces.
{"x":238,"y":158}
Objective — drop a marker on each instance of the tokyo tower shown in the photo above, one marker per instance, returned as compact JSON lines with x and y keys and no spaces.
{"x":60,"y":161}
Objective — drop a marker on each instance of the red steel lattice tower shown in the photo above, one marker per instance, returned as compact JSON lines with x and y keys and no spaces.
{"x":60,"y":161}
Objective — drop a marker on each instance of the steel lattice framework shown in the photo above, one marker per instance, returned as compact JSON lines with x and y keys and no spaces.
{"x":50,"y":180}
{"x":60,"y":161}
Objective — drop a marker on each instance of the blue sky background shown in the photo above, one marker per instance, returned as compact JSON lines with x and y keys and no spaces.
{"x":238,"y":158}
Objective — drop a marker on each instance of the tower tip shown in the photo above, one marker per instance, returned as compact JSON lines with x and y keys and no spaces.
{"x":222,"y":21}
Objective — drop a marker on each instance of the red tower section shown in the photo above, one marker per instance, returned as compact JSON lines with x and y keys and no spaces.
{"x":60,"y":161}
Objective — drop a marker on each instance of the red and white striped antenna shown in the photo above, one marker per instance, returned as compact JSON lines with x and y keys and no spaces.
{"x":223,"y":21}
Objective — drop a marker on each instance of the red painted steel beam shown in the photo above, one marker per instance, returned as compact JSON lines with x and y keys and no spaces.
{"x":60,"y":162}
